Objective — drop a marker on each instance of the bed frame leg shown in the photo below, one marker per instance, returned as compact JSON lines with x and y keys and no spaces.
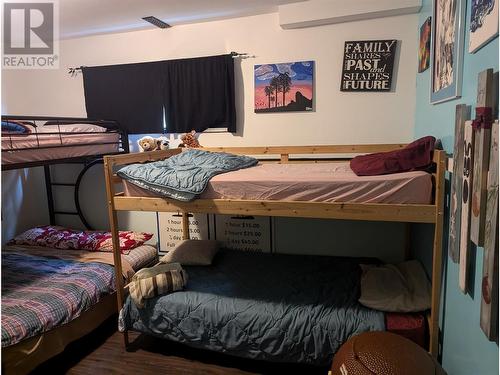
{"x":437,"y":257}
{"x":125,"y":340}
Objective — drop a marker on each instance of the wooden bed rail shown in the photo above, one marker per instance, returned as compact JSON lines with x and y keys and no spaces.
{"x":278,"y":151}
{"x":141,"y":157}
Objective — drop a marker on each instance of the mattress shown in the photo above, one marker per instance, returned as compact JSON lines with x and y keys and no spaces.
{"x":68,"y":144}
{"x":41,"y":293}
{"x":313,"y":182}
{"x":273,"y":307}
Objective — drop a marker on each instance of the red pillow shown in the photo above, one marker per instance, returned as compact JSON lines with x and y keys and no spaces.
{"x":64,"y":238}
{"x":417,"y":155}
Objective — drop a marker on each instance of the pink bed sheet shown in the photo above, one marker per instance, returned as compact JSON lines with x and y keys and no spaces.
{"x":313,"y":182}
{"x":80,"y":145}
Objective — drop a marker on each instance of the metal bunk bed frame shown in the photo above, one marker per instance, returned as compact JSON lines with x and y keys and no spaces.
{"x":88,"y":161}
{"x":15,"y":359}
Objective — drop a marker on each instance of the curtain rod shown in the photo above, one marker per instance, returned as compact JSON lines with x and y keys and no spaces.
{"x":74,"y":71}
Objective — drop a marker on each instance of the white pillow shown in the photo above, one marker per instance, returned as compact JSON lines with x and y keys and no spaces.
{"x":192,"y":253}
{"x":402,"y":287}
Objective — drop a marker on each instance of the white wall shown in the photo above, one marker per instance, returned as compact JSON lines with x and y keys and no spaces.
{"x":339,"y":118}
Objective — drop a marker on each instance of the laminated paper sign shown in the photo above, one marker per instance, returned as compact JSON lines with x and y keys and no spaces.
{"x":170,"y":229}
{"x":368,"y":65}
{"x":247,"y":233}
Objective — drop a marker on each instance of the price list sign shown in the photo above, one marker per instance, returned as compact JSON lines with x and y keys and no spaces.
{"x":170,"y":229}
{"x":246,"y":233}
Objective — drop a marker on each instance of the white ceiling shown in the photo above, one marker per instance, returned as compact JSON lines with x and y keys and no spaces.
{"x":88,"y":17}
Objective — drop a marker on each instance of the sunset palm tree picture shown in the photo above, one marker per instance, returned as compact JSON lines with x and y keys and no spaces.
{"x":284,"y":87}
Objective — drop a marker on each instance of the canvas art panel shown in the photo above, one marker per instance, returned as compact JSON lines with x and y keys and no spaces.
{"x":424,"y":50}
{"x":284,"y":87}
{"x":447,"y":38}
{"x":467,"y":181}
{"x":483,"y":23}
{"x":462,"y":114}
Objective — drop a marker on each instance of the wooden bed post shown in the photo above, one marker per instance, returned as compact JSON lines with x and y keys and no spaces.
{"x":113,"y":222}
{"x":185,"y":226}
{"x":437,"y":253}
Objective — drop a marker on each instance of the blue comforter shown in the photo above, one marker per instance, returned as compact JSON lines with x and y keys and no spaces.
{"x":185,"y":175}
{"x":284,"y":308}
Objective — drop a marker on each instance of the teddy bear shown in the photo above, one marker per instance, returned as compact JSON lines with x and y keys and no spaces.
{"x":189,"y":140}
{"x":147,"y":144}
{"x":151,"y":144}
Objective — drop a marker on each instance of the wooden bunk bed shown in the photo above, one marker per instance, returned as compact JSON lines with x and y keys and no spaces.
{"x":431,"y":213}
{"x":63,"y":140}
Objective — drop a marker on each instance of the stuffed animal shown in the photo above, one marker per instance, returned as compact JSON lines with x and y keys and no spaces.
{"x":151,"y":144}
{"x":162,"y":143}
{"x":189,"y":140}
{"x":147,"y":144}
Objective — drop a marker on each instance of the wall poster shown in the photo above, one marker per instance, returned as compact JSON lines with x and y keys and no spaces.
{"x":424,"y":50}
{"x":483,"y":23}
{"x":170,"y":229}
{"x":447,"y":52}
{"x":284,"y":87}
{"x":368,"y":65}
{"x":245,"y":233}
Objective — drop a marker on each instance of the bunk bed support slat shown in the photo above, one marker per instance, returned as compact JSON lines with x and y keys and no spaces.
{"x":415,"y":213}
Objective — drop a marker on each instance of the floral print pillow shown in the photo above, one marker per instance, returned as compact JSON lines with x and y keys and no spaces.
{"x":64,"y":238}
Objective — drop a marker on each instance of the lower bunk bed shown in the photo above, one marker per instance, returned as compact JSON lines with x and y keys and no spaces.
{"x":51,"y":297}
{"x":271,"y":307}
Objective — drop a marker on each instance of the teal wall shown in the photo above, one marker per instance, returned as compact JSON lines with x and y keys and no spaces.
{"x":466,"y":351}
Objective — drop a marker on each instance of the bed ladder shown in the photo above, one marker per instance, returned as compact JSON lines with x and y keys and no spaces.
{"x":76,"y":193}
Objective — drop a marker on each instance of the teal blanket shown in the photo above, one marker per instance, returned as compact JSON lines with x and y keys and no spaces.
{"x":184,"y":176}
{"x":272,"y":307}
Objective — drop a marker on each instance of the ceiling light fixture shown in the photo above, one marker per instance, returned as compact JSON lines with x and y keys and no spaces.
{"x":157,"y":22}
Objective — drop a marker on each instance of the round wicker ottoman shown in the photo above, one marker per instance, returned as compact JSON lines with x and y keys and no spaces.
{"x":383,"y":353}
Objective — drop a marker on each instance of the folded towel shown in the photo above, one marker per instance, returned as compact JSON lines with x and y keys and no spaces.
{"x":157,"y":280}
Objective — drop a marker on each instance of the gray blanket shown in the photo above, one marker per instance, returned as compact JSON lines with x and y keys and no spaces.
{"x":283,"y":308}
{"x":185,"y":175}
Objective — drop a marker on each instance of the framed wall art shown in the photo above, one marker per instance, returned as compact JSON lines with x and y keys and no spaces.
{"x":447,"y":49}
{"x":284,"y":87}
{"x":424,"y":49}
{"x":483,"y":23}
{"x":368,"y":65}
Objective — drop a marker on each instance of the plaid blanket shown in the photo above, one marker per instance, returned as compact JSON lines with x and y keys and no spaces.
{"x":40,"y":293}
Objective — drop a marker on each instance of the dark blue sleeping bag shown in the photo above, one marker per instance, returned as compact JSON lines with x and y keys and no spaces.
{"x":284,"y":308}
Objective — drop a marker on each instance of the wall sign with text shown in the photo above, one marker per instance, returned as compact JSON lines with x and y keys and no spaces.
{"x":170,"y":229}
{"x":368,"y":65}
{"x":247,"y":233}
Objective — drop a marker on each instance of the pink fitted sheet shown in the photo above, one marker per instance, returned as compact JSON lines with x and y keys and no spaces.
{"x":79,"y":145}
{"x":313,"y":182}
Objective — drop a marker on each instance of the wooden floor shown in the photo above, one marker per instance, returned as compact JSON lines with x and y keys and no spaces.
{"x":102,"y":352}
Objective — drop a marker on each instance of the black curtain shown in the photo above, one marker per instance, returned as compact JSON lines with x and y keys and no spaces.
{"x":196,"y":94}
{"x":199,"y":94}
{"x":131,"y":94}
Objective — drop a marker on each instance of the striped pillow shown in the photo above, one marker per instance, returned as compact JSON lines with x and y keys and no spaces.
{"x":155,"y":281}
